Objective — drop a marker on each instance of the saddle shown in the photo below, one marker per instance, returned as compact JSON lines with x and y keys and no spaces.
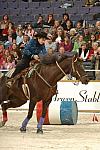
{"x":26,"y":73}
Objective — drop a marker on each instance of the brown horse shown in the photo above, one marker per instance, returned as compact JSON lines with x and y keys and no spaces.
{"x":42,"y":85}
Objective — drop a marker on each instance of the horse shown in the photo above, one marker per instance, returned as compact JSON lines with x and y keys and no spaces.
{"x":41,"y":85}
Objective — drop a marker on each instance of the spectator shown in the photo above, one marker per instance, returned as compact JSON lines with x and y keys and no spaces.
{"x":84,"y":53}
{"x":66,"y":44}
{"x":50,"y":44}
{"x":60,"y":35}
{"x":86,"y":35}
{"x":40,"y":22}
{"x":69,"y":25}
{"x":1,"y":55}
{"x":79,"y":27}
{"x":24,"y":42}
{"x":73,"y":35}
{"x":19,"y":37}
{"x":89,"y":2}
{"x":57,"y":24}
{"x":5,"y":21}
{"x":50,"y":20}
{"x":78,"y":43}
{"x":97,"y":64}
{"x":50,"y":51}
{"x":64,"y":21}
{"x":29,"y":31}
{"x":91,"y":41}
{"x":16,"y":52}
{"x":61,"y":50}
{"x":97,"y":29}
{"x":10,"y":62}
{"x":94,"y":48}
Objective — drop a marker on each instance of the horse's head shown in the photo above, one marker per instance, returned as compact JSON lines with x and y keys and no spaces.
{"x":78,"y":70}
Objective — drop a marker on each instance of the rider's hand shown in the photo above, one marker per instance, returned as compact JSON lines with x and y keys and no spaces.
{"x":36,"y":57}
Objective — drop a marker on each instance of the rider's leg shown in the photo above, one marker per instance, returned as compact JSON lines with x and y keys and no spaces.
{"x":24,"y":63}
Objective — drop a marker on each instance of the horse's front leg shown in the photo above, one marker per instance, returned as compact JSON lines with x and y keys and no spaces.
{"x":32,"y":104}
{"x":45,"y":105}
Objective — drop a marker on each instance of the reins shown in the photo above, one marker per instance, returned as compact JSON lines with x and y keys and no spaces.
{"x":61,"y":69}
{"x":44,"y":79}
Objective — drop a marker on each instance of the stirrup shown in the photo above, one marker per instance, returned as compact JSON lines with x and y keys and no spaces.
{"x":9,"y":83}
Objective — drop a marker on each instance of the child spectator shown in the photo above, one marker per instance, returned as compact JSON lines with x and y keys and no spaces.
{"x":10,"y":62}
{"x":29,"y":31}
{"x":19,"y":37}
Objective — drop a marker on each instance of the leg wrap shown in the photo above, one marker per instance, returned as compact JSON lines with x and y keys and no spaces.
{"x":41,"y":121}
{"x":25,"y":122}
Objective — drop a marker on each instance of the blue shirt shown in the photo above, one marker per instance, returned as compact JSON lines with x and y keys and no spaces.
{"x":34,"y":48}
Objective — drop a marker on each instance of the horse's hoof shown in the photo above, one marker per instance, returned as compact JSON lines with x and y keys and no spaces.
{"x":23,"y":129}
{"x":2,"y":124}
{"x":39,"y":131}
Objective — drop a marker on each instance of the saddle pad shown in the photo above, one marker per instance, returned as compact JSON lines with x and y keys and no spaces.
{"x":1,"y":74}
{"x":31,"y":71}
{"x":10,"y":72}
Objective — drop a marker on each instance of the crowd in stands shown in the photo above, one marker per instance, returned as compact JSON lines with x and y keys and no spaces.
{"x":62,"y":34}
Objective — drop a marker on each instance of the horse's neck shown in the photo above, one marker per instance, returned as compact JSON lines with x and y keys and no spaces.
{"x":65,"y":65}
{"x":53,"y":73}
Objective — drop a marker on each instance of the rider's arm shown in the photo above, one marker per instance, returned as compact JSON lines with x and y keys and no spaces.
{"x":29,"y":48}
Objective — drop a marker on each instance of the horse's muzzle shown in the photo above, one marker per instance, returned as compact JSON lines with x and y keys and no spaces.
{"x":85,"y":80}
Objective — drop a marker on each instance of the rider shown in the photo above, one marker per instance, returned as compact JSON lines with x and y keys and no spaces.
{"x":31,"y":51}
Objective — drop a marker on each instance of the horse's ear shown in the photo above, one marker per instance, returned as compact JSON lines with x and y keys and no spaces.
{"x":75,"y":56}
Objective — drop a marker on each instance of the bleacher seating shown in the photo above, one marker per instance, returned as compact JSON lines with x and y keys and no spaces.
{"x":20,"y":8}
{"x":88,"y":65}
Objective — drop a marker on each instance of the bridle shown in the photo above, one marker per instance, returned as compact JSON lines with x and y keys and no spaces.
{"x":72,"y":70}
{"x":76,"y":71}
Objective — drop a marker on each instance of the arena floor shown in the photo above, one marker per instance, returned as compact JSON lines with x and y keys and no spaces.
{"x":83,"y":136}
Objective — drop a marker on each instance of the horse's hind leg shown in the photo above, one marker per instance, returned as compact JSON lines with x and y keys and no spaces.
{"x":4,"y":114}
{"x":45,"y":105}
{"x":4,"y":120}
{"x":32,"y":104}
{"x":3,"y":96}
{"x":10,"y":104}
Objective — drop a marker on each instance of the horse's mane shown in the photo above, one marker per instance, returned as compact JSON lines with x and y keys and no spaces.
{"x":51,"y":59}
